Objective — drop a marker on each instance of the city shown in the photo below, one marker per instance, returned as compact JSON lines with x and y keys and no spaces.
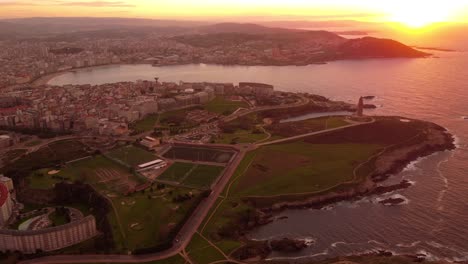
{"x":220,"y":137}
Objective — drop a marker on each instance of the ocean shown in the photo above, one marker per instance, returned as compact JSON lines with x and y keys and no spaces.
{"x":434,"y":219}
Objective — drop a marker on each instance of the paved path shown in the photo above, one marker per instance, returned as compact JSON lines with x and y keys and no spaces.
{"x":180,"y":242}
{"x":191,"y":226}
{"x":312,"y":134}
{"x":303,"y":101}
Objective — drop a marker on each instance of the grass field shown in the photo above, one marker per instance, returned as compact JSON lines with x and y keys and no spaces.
{"x":57,"y":219}
{"x":221,"y":105}
{"x":193,"y":175}
{"x":147,"y":219}
{"x":33,"y":143}
{"x":290,"y":129}
{"x":47,"y":157}
{"x":146,"y":124}
{"x":13,"y":154}
{"x":240,"y":136}
{"x":201,"y":252}
{"x":198,"y":154}
{"x":41,"y":180}
{"x":298,"y":170}
{"x":299,"y":167}
{"x":131,"y":155}
{"x":203,"y":176}
{"x":143,"y":219}
{"x":176,"y":172}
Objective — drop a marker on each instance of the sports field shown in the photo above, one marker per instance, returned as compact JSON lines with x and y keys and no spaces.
{"x":132,"y":155}
{"x":103,"y":173}
{"x":192,"y":175}
{"x":197,"y":154}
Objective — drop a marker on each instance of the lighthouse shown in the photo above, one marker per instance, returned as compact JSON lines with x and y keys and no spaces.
{"x":360,"y":107}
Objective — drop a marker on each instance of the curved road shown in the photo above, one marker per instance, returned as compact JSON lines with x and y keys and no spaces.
{"x":191,"y":226}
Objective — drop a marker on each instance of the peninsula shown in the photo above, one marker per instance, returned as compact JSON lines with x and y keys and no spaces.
{"x":181,"y":172}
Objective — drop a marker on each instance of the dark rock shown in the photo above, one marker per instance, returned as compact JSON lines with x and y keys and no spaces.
{"x":392,"y":201}
{"x":369,"y":106}
{"x":287,"y":245}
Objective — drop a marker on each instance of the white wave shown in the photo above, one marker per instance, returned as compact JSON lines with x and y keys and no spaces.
{"x":428,"y":256}
{"x":327,"y":208}
{"x":375,"y":242}
{"x":459,"y":259}
{"x":457,"y":141}
{"x":412,"y":182}
{"x":435,"y":244}
{"x":412,"y":166}
{"x":309,"y":241}
{"x":402,"y":245}
{"x":446,"y":187}
{"x":335,"y":244}
{"x":324,"y":253}
{"x":394,"y":196}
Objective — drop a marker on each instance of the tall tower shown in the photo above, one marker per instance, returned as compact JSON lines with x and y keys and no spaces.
{"x":360,"y":107}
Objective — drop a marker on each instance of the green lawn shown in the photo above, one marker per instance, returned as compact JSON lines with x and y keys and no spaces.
{"x":193,"y":175}
{"x":221,"y":105}
{"x":13,"y":154}
{"x":290,"y":129}
{"x":131,"y":155}
{"x":201,"y":252}
{"x":300,"y":167}
{"x":147,"y":219}
{"x":33,"y":143}
{"x":88,"y":171}
{"x":299,"y":170}
{"x":240,"y":136}
{"x":41,"y":180}
{"x":176,"y":172}
{"x":146,"y":124}
{"x":57,"y":219}
{"x":203,"y":176}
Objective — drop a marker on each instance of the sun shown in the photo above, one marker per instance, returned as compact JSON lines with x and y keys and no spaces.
{"x":417,"y":14}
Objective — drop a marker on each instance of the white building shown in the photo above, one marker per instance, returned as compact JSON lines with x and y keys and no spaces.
{"x":150,"y":142}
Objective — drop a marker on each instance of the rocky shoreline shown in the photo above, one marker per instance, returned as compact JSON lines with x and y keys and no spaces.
{"x":390,"y":163}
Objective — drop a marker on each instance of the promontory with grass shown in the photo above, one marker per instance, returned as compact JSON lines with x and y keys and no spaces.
{"x":188,"y":184}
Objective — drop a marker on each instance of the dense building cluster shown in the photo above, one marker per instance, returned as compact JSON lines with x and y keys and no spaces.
{"x":108,"y":109}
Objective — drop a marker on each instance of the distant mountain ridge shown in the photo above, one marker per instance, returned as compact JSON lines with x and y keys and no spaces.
{"x":206,"y":35}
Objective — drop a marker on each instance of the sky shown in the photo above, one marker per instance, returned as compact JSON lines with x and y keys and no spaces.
{"x":410,"y":12}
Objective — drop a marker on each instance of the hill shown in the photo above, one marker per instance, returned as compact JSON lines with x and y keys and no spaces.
{"x":369,"y":47}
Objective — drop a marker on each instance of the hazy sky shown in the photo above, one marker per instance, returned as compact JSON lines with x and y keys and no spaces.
{"x":411,"y":12}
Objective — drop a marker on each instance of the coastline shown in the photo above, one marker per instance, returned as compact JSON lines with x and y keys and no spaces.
{"x":441,"y":140}
{"x":45,"y":79}
{"x":391,"y":163}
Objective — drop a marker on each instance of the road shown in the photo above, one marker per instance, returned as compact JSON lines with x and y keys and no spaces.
{"x":313,"y":133}
{"x":191,"y":226}
{"x":181,"y":241}
{"x":303,"y":101}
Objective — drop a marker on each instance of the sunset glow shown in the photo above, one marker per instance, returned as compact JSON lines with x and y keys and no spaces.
{"x":410,"y":13}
